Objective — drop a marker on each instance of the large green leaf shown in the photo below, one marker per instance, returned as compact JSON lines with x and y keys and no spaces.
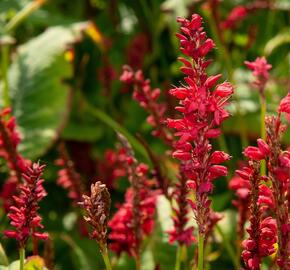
{"x":38,"y":89}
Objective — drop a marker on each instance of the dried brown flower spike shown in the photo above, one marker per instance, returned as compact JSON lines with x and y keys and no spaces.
{"x":97,"y":208}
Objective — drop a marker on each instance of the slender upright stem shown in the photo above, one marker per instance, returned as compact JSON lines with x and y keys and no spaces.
{"x":106,"y":258}
{"x":200,"y":251}
{"x":138,"y":262}
{"x":23,"y":14}
{"x":263,"y":129}
{"x":21,"y":258}
{"x":178,"y":258}
{"x":4,"y":69}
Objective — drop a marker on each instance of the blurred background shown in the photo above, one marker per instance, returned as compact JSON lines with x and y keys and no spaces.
{"x":60,"y":67}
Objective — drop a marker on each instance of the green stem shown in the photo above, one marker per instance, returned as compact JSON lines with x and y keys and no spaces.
{"x":263,"y":129}
{"x":23,"y":14}
{"x":229,"y":248}
{"x":200,"y":251}
{"x":138,"y":262}
{"x":106,"y":259}
{"x":178,"y":258}
{"x":106,"y":119}
{"x":4,"y":66}
{"x":21,"y":258}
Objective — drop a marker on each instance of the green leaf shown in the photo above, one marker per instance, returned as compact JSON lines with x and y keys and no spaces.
{"x":281,"y":39}
{"x":3,"y":257}
{"x":38,"y":91}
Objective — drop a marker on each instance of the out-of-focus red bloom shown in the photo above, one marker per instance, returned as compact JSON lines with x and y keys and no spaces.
{"x":237,"y":14}
{"x":285,"y":105}
{"x":24,"y":217}
{"x":122,"y":234}
{"x":111,"y":168}
{"x":137,"y":49}
{"x":147,"y":99}
{"x":135,"y":218}
{"x":241,"y":202}
{"x":202,"y":105}
{"x":7,"y":191}
{"x":181,"y":233}
{"x":9,"y":140}
{"x":68,"y":177}
{"x":240,"y":13}
{"x":106,"y":75}
{"x":260,"y":68}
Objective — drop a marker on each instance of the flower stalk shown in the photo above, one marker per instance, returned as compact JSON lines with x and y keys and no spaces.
{"x":21,"y":258}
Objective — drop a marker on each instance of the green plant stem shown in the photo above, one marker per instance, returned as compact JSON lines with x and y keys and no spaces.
{"x":4,"y":72}
{"x":178,"y":258}
{"x":21,"y":258}
{"x":23,"y":14}
{"x":235,"y":260}
{"x":200,"y":251}
{"x":138,"y":262}
{"x":263,"y":129}
{"x":106,"y":259}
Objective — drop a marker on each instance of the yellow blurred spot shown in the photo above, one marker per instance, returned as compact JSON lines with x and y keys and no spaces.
{"x":95,"y":34}
{"x":69,"y":55}
{"x":276,"y":249}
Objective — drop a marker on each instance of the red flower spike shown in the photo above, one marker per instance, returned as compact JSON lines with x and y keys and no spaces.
{"x":260,"y":68}
{"x":237,"y":14}
{"x":285,"y":104}
{"x":135,"y":217}
{"x":202,"y":112}
{"x":278,"y":166}
{"x":148,"y":99}
{"x":24,"y":217}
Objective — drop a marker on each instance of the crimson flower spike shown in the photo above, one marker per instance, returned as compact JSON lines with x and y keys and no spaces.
{"x":278,"y":165}
{"x":24,"y":217}
{"x":68,"y":177}
{"x":262,"y":230}
{"x":134,"y":219}
{"x":148,"y":99}
{"x":202,"y":105}
{"x":9,"y":140}
{"x":260,"y":69}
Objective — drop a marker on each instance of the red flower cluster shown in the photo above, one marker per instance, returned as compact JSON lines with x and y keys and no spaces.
{"x":260,"y":68}
{"x":255,"y":249}
{"x":242,"y":192}
{"x":237,"y":14}
{"x":122,"y":224}
{"x":278,"y":164}
{"x":68,"y":177}
{"x":202,"y":114}
{"x":111,"y":168}
{"x":181,"y":233}
{"x":24,"y":216}
{"x":9,"y":140}
{"x":135,"y":218}
{"x":262,"y":231}
{"x":147,"y":98}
